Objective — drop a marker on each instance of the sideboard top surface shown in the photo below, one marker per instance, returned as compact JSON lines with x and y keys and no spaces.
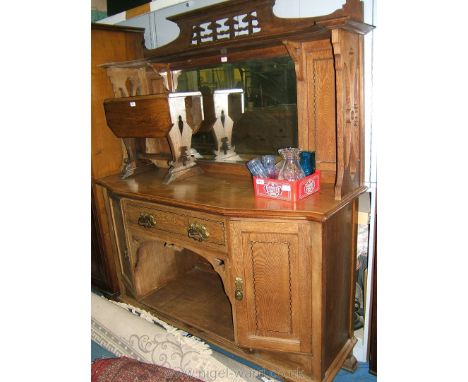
{"x":225,"y":194}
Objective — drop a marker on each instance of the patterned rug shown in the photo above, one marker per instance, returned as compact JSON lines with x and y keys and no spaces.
{"x":124,"y":330}
{"x":124,"y":369}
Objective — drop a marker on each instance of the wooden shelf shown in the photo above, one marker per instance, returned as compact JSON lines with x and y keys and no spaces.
{"x":198,"y":299}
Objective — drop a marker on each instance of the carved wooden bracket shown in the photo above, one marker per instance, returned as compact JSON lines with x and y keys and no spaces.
{"x":139,"y":78}
{"x":135,"y":79}
{"x":296,"y":52}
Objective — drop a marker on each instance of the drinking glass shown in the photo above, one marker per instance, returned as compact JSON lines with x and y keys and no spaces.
{"x":269,"y":162}
{"x":256,"y":168}
{"x":307,"y":162}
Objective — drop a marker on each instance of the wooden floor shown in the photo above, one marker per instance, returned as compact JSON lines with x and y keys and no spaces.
{"x":198,"y":299}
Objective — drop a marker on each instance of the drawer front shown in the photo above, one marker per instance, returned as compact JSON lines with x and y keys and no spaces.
{"x":196,"y":228}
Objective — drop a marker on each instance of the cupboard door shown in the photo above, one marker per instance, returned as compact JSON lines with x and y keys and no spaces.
{"x":271,"y":296}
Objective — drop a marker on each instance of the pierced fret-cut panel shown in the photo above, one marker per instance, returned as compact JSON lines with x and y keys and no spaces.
{"x":225,"y":29}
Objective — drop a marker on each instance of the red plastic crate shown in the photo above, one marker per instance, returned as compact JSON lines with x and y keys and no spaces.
{"x":285,"y":190}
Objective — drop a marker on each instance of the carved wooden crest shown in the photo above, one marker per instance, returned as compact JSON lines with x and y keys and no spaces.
{"x":239,"y":24}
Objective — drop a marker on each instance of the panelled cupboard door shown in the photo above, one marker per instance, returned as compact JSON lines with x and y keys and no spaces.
{"x":271,"y":282}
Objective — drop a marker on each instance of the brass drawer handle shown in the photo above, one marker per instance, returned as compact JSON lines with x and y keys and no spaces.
{"x":146,"y":220}
{"x":239,"y":292}
{"x":198,"y":232}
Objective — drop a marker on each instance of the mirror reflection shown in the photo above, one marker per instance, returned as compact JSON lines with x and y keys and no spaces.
{"x":249,"y":108}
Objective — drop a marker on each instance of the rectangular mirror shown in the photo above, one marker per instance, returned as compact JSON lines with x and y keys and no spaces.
{"x":249,"y":108}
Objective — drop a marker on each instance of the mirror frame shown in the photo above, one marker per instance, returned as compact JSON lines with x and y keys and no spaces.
{"x":328,"y":56}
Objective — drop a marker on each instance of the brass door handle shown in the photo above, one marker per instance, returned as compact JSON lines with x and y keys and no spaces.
{"x":239,"y":292}
{"x":198,"y":232}
{"x":146,"y":220}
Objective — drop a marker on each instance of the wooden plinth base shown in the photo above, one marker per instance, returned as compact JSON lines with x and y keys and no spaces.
{"x":350,"y":364}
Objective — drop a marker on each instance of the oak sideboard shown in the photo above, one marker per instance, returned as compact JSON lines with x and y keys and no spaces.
{"x":267,"y":280}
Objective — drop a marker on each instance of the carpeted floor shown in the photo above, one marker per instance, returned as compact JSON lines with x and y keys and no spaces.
{"x":360,"y":375}
{"x":98,"y":352}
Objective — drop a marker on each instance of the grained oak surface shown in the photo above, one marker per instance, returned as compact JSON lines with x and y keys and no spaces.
{"x":139,"y":117}
{"x":201,"y":291}
{"x":225,"y":194}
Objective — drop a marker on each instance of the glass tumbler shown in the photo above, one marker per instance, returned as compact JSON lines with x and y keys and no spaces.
{"x":291,"y":169}
{"x":256,"y":168}
{"x":307,"y":162}
{"x":269,"y":162}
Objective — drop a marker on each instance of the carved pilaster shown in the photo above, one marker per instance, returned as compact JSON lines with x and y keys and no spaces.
{"x":347,"y":49}
{"x":316,"y":102}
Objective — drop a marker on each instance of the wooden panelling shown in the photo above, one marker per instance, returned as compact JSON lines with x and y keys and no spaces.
{"x":315,"y":75}
{"x":107,"y":44}
{"x":98,"y":267}
{"x":271,"y":260}
{"x":322,"y":116}
{"x":339,"y":269}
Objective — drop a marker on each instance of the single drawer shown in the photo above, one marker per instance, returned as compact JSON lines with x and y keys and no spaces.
{"x":189,"y":226}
